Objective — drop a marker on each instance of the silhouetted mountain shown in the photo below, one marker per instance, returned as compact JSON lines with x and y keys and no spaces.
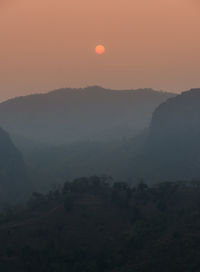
{"x":69,"y":115}
{"x":173,"y":146}
{"x":13,"y":176}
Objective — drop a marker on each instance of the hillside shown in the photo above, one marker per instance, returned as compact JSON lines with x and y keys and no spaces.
{"x":71,"y":115}
{"x":173,"y":147}
{"x":54,"y":164}
{"x":94,"y":224}
{"x":13,"y":176}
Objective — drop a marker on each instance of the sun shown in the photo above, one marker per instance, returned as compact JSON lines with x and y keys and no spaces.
{"x":100,"y":49}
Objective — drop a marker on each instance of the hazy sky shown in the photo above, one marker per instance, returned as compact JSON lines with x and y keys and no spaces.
{"x":47,"y":44}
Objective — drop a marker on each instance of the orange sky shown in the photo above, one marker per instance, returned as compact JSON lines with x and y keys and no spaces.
{"x":47,"y":44}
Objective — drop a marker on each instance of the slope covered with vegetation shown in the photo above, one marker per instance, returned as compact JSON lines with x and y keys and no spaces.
{"x":95,"y":224}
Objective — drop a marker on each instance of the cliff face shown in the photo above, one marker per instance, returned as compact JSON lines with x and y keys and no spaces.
{"x":173,"y":145}
{"x":13,"y":179}
{"x":177,"y":120}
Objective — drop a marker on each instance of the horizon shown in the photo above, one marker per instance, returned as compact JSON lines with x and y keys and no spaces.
{"x":147,"y":45}
{"x":91,"y":86}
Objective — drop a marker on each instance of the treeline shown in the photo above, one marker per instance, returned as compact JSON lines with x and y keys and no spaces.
{"x":97,"y":224}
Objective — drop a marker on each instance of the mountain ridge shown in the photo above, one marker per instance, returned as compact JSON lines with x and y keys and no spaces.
{"x":68,"y":115}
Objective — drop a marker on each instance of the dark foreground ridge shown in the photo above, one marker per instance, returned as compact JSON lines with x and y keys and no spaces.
{"x":94,"y":224}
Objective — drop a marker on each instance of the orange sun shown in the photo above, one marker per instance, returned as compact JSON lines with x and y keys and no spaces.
{"x":100,"y":49}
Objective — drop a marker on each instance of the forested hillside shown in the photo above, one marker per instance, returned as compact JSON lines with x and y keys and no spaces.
{"x":95,"y":224}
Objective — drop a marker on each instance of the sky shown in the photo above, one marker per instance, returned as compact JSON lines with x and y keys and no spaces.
{"x":49,"y":44}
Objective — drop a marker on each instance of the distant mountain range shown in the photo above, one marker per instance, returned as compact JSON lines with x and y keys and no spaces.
{"x":42,"y":127}
{"x":71,"y":115}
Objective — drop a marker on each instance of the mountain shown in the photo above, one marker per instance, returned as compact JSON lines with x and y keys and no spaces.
{"x":70,"y":115}
{"x":13,"y":176}
{"x":173,"y":146}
